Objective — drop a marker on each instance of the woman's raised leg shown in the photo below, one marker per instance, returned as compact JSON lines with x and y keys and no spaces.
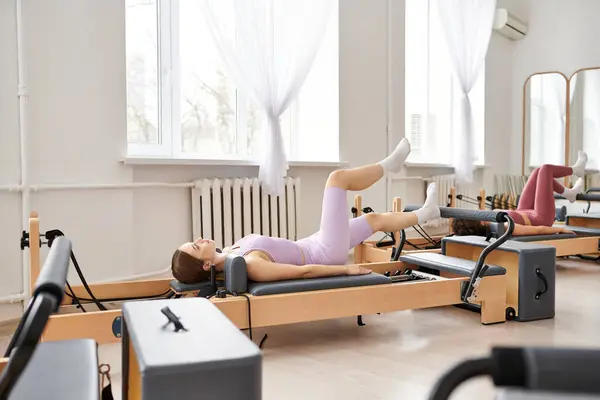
{"x":527,"y":199}
{"x":544,"y":204}
{"x":334,"y":231}
{"x":396,"y":221}
{"x":531,"y":199}
{"x":363,"y":177}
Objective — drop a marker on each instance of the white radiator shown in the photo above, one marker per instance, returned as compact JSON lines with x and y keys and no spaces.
{"x":512,"y":184}
{"x":592,"y":180}
{"x":225,"y":210}
{"x":444,"y":185}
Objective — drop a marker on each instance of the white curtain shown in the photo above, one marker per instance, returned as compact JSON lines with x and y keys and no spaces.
{"x":467,"y":25}
{"x":269,"y":47}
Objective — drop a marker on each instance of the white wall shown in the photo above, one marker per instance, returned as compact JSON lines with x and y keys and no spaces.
{"x":75,"y":52}
{"x":562,"y":37}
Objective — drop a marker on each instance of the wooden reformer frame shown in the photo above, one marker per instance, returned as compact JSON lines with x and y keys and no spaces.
{"x":271,"y":310}
{"x":369,"y":252}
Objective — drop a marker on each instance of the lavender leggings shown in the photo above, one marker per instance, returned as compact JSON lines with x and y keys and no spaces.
{"x":537,"y":199}
{"x":337,"y":234}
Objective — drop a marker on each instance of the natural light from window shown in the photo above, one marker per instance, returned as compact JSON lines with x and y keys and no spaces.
{"x":432,"y":94}
{"x":182,"y":104}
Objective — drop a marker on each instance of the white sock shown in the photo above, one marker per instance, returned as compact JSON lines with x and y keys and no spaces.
{"x":579,"y":166}
{"x":571,"y":194}
{"x":394,"y":162}
{"x":430,"y":209}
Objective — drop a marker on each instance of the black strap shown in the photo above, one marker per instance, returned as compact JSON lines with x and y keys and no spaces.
{"x":106,"y":390}
{"x":107,"y":393}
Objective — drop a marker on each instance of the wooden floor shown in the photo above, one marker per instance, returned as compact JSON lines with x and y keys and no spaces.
{"x":400,"y":355}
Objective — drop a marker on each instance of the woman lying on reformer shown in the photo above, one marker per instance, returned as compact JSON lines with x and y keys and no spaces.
{"x":536,"y":211}
{"x":322,"y":254}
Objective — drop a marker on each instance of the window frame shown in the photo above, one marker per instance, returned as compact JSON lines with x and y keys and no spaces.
{"x":426,"y":136}
{"x":169,"y":107}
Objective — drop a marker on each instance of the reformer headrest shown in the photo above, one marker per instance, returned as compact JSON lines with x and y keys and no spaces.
{"x":465,"y":213}
{"x":236,"y":275}
{"x":561,"y":213}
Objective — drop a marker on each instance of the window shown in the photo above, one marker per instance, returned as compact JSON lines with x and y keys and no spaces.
{"x":546,"y":126}
{"x":432,"y":94}
{"x":182,"y":104}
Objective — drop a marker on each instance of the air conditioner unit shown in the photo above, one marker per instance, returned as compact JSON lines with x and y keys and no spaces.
{"x":508,"y":25}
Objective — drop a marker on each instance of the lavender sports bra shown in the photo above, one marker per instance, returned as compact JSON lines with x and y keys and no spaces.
{"x":279,"y":250}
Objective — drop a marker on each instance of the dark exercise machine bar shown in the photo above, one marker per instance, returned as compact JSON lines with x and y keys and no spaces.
{"x":464,"y":213}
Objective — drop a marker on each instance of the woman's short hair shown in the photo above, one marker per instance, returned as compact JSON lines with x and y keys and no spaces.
{"x":468,"y":227}
{"x":188,"y":269}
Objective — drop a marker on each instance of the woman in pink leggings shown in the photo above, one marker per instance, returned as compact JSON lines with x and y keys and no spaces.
{"x":321,"y":254}
{"x":536,"y":211}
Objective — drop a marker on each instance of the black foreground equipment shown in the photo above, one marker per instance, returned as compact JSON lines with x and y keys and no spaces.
{"x":31,"y":371}
{"x":529,"y":373}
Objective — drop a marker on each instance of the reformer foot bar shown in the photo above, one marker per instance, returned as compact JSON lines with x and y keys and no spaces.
{"x":530,"y":268}
{"x":250,"y":305}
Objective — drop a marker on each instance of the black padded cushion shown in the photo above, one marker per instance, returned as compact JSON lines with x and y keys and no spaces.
{"x":179,"y":287}
{"x":525,"y":394}
{"x":306,"y":285}
{"x":66,"y":369}
{"x":466,"y":213}
{"x":453,"y":265}
{"x":540,"y":238}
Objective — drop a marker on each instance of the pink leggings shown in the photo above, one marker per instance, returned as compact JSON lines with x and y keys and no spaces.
{"x":537,"y":199}
{"x":337,"y":233}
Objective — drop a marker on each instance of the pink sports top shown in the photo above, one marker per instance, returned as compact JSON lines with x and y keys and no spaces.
{"x":279,"y":250}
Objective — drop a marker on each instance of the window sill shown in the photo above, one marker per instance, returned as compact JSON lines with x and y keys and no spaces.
{"x":401,"y":177}
{"x":167,"y":161}
{"x":417,"y":164}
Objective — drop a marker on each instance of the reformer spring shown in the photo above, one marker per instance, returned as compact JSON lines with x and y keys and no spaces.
{"x":492,"y":202}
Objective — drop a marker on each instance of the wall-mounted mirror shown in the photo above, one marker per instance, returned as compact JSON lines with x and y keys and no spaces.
{"x":544,"y":123}
{"x":584,"y":116}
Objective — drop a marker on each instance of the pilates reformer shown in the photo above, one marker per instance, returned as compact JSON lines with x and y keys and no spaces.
{"x":159,"y":361}
{"x":531,"y":271}
{"x":529,"y":373}
{"x":250,"y":304}
{"x":530,"y":268}
{"x":583,"y":242}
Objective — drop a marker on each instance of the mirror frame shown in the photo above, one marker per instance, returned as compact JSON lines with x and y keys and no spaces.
{"x":568,"y":118}
{"x":524,"y":111}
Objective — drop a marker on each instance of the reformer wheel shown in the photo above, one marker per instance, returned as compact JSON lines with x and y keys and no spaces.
{"x":510,"y":314}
